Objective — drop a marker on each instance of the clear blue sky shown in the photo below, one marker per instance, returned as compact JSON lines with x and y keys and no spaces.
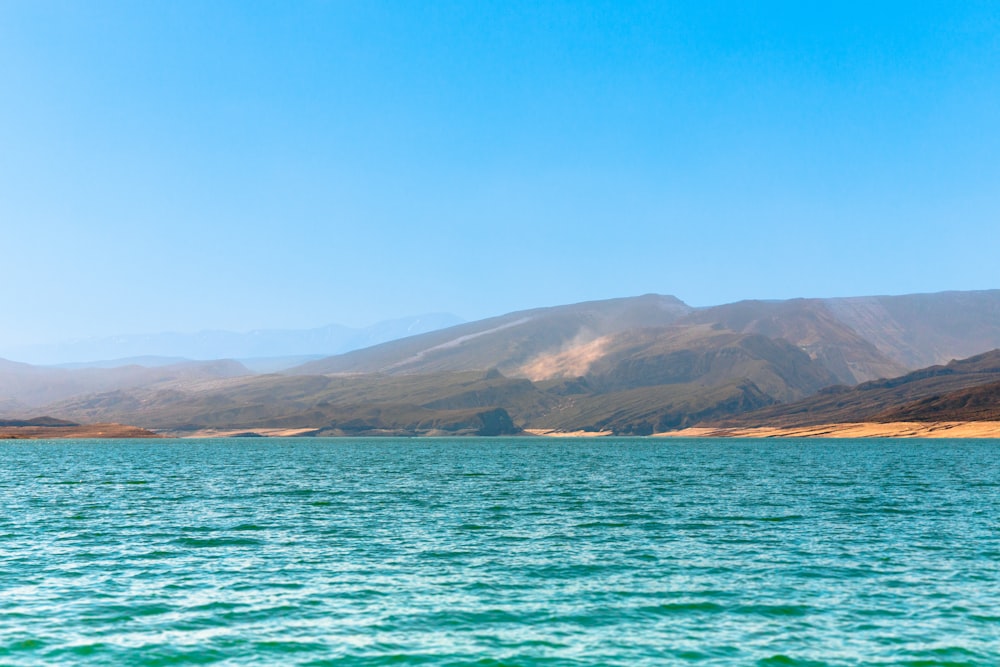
{"x":237,"y":165}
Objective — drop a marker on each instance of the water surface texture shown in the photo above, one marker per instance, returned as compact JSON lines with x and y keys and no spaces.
{"x":500,"y":552}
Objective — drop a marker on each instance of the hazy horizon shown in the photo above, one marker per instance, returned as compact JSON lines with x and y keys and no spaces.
{"x":276,"y":342}
{"x":236,"y":167}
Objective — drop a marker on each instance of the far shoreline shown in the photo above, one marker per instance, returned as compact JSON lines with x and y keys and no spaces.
{"x":938,"y":429}
{"x":853,"y":430}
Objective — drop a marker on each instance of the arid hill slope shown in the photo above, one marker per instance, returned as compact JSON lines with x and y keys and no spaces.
{"x":855,"y":339}
{"x":959,"y":390}
{"x":646,"y":379}
{"x":633,"y":365}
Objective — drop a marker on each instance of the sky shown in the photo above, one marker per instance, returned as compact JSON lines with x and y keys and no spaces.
{"x":180,"y":166}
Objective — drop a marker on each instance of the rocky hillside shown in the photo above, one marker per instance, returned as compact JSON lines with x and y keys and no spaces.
{"x":959,"y":390}
{"x":855,"y":339}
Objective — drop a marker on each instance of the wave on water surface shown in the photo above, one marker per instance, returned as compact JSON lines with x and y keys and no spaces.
{"x":500,"y":552}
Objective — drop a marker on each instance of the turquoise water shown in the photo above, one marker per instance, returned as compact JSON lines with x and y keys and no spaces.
{"x":500,"y":552}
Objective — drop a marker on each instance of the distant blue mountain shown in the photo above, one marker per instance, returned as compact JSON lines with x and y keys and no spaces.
{"x":264,"y":344}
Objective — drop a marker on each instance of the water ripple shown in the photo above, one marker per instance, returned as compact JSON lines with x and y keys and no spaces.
{"x":500,"y":552}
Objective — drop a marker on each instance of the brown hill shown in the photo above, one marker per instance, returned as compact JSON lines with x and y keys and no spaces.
{"x":937,"y":393}
{"x":979,"y":403}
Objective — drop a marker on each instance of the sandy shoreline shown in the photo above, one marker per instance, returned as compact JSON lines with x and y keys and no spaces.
{"x":989,"y":429}
{"x":241,"y":432}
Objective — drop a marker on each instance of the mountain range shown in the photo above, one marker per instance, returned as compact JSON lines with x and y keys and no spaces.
{"x":856,"y":339}
{"x":269,"y":349}
{"x":634,"y":365}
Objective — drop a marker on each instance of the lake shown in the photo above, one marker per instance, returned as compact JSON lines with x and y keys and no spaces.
{"x":516,"y":551}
